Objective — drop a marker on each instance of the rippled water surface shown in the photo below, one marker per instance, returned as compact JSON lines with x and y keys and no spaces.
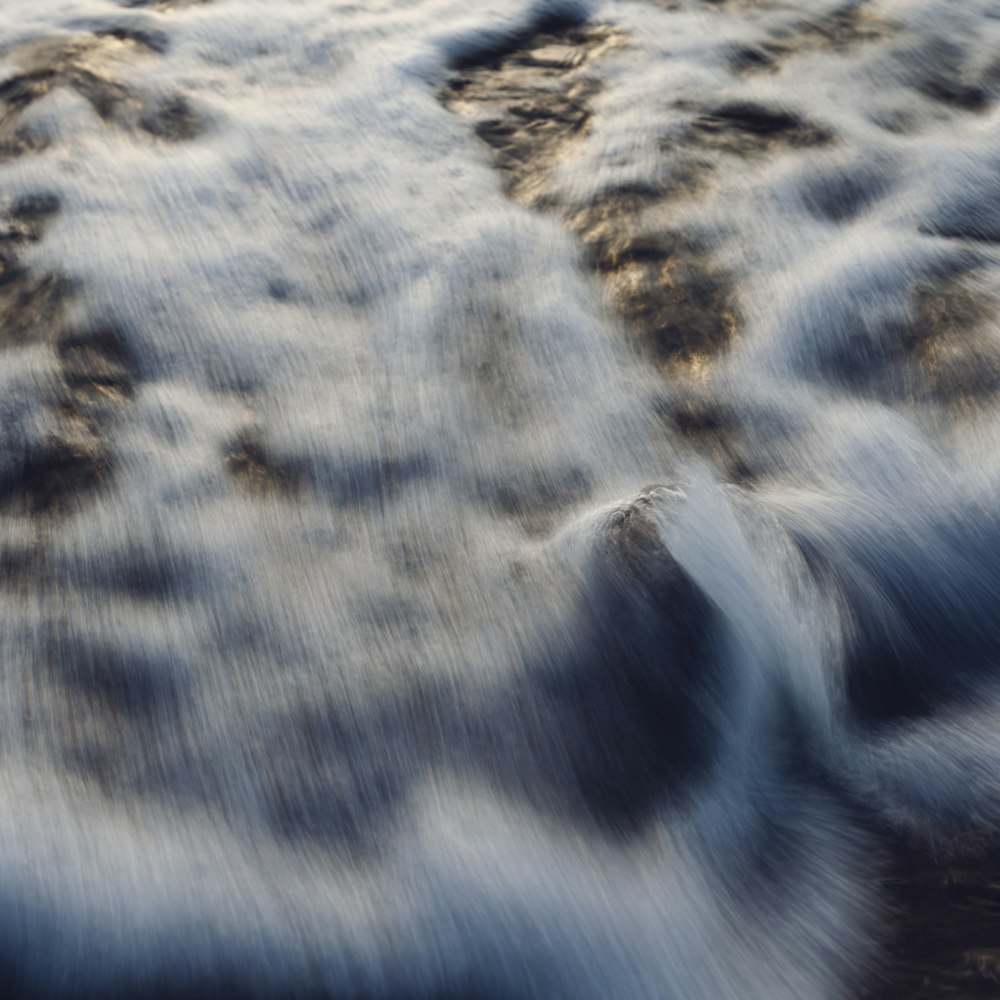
{"x":498,"y":500}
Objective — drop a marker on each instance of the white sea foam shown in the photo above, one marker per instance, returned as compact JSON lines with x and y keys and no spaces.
{"x":370,"y":664}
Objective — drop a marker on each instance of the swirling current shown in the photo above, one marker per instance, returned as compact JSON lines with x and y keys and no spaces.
{"x":499,"y":500}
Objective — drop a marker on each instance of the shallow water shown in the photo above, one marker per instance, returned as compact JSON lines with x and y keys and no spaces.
{"x":499,"y":500}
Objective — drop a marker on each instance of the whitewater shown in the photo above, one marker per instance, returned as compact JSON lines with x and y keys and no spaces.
{"x":498,"y":500}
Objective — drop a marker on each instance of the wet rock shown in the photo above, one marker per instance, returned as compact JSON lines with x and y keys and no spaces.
{"x":634,"y":700}
{"x":680,"y":307}
{"x":88,"y":64}
{"x":54,"y":475}
{"x":532,"y":96}
{"x":250,"y":462}
{"x":746,"y":127}
{"x":173,"y":120}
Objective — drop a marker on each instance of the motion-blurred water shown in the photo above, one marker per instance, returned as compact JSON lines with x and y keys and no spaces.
{"x":499,"y":500}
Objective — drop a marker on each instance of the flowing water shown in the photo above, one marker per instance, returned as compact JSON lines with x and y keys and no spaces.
{"x":498,"y":500}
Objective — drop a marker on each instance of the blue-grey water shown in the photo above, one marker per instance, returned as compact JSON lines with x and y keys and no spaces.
{"x":498,"y":500}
